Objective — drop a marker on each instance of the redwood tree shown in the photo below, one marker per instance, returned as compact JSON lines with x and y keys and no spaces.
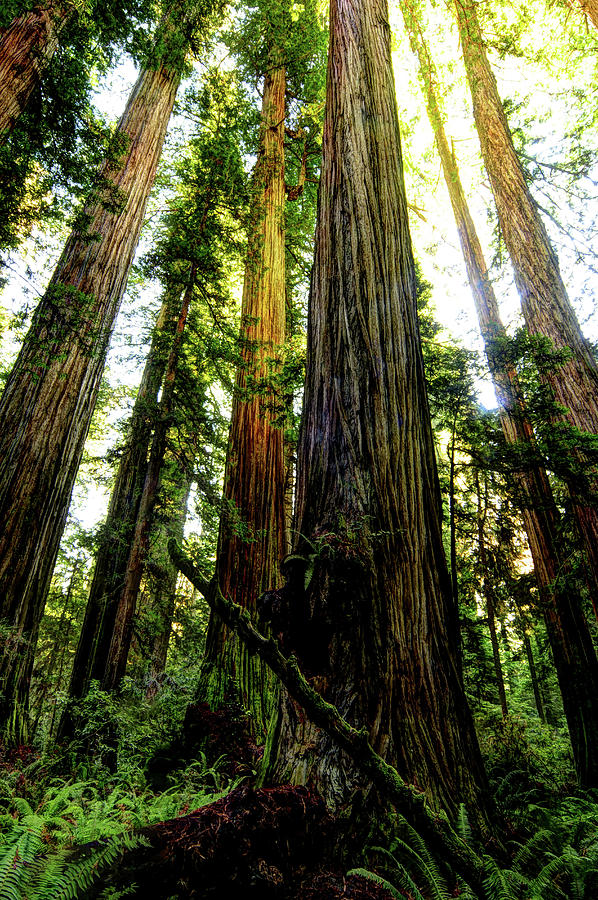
{"x":26,"y":47}
{"x":252,"y":537}
{"x":570,"y":640}
{"x":369,"y":598}
{"x":51,"y":392}
{"x":546,"y":307}
{"x":115,"y":537}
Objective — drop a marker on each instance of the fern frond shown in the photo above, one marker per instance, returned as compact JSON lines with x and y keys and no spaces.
{"x":382,"y":882}
{"x":463,"y":826}
{"x":496,"y":884}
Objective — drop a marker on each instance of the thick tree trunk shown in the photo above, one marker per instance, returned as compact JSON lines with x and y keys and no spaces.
{"x":252,"y":538}
{"x":163,"y":592}
{"x":26,"y":47}
{"x":544,"y":302}
{"x":51,"y":392}
{"x":488,"y":593}
{"x":122,"y":632}
{"x":115,"y":541}
{"x":371,"y":604}
{"x":569,"y":636}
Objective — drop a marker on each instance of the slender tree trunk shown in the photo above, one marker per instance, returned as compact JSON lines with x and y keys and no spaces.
{"x":370,"y":605}
{"x":122,"y":632}
{"x":163,"y":593}
{"x":569,"y":636}
{"x":544,"y":302}
{"x":26,"y":47}
{"x":252,"y":538}
{"x":61,"y":641}
{"x":51,"y":392}
{"x":488,"y":592}
{"x":115,"y":541}
{"x":533,"y":674}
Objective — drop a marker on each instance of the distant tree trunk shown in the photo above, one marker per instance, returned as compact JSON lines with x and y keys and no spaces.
{"x":122,"y":632}
{"x":488,"y":593}
{"x":570,"y":640}
{"x":26,"y":47}
{"x":60,"y":647}
{"x":370,"y":605}
{"x":51,"y":392}
{"x":544,"y":302}
{"x":164,"y":583}
{"x":117,"y":533}
{"x":252,"y":538}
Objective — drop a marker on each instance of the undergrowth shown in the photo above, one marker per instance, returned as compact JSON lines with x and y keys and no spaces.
{"x":59,"y":831}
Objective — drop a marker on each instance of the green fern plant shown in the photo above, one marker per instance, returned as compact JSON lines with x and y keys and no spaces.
{"x":31,"y":871}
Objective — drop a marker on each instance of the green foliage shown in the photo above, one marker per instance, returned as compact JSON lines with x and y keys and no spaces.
{"x":36,"y":858}
{"x":50,"y":159}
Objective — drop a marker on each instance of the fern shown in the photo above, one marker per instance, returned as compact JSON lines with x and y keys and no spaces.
{"x":382,"y":882}
{"x":463,"y":826}
{"x":496,"y":884}
{"x":31,"y":871}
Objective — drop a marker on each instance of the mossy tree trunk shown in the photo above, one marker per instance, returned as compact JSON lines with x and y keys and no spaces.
{"x":26,"y":47}
{"x":546,"y":307}
{"x":568,"y":632}
{"x":52,"y":389}
{"x":252,"y":538}
{"x":370,"y":605}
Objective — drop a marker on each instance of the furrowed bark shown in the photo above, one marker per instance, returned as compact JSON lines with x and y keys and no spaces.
{"x":51,"y":392}
{"x":26,"y":48}
{"x":433,"y":826}
{"x":369,"y":596}
{"x":252,"y":538}
{"x":570,"y":640}
{"x":546,"y":307}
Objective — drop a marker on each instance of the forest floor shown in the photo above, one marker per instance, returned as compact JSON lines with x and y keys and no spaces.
{"x":75,"y":824}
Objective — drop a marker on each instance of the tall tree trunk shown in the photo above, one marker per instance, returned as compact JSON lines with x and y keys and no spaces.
{"x":122,"y":632}
{"x":26,"y":47}
{"x":569,"y":636}
{"x":164,"y":583}
{"x":544,"y":302}
{"x":117,"y":533}
{"x":252,"y":538}
{"x":488,"y":592}
{"x":51,"y":392}
{"x":370,"y":605}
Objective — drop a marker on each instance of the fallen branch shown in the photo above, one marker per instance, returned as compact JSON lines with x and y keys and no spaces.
{"x":433,"y":826}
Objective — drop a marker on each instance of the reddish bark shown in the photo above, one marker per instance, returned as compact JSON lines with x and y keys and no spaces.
{"x":26,"y":47}
{"x":51,"y":392}
{"x":371,"y":601}
{"x":252,"y":538}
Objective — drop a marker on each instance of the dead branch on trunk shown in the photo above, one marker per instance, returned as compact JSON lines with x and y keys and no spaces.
{"x":434,"y":826}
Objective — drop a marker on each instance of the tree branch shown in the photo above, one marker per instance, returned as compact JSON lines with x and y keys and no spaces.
{"x":433,"y":826}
